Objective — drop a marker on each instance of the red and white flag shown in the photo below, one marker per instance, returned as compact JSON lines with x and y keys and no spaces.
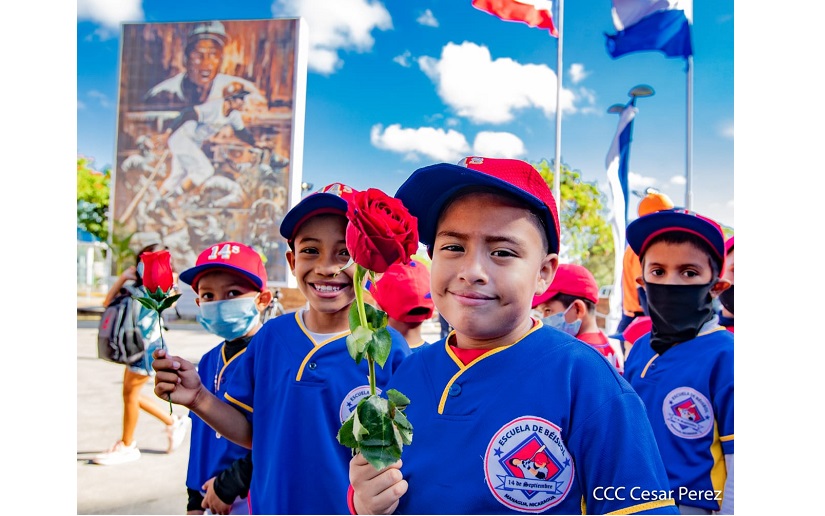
{"x":535,"y":13}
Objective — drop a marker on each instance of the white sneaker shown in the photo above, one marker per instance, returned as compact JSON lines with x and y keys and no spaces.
{"x":176,"y":432}
{"x":119,"y":453}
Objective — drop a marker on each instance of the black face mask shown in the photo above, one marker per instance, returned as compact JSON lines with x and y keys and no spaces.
{"x":726,"y":298}
{"x":677,"y":312}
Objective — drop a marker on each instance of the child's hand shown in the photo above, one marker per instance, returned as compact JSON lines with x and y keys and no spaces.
{"x":376,"y":492}
{"x":211,"y":500}
{"x":176,"y":379}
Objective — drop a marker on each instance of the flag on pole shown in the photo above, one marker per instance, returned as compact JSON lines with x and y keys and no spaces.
{"x":617,"y":165}
{"x":643,"y":25}
{"x":535,"y":13}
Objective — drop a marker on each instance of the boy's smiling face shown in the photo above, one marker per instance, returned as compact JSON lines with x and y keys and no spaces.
{"x":320,"y":250}
{"x":488,"y":263}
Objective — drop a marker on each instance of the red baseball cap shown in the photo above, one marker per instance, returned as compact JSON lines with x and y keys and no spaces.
{"x":643,"y":230}
{"x":403,"y":291}
{"x":573,"y":280}
{"x":728,"y":245}
{"x":233,"y":256}
{"x":332,"y":198}
{"x":426,"y":191}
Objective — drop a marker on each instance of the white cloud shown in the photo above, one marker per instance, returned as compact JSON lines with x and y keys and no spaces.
{"x":449,"y":146}
{"x":80,"y":105}
{"x":485,"y":90}
{"x":726,"y":130}
{"x":639,"y":182}
{"x":678,"y":180}
{"x":427,"y":18}
{"x":109,"y":13}
{"x":577,"y":73}
{"x":498,"y":144}
{"x":336,"y":25}
{"x":101,"y":98}
{"x":403,"y":59}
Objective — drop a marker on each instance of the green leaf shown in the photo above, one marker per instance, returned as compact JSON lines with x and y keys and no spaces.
{"x":380,"y":346}
{"x":376,"y":319}
{"x":380,"y":456}
{"x":168,"y":302}
{"x":357,"y":343}
{"x":354,"y":319}
{"x":398,"y":399}
{"x":147,"y":302}
{"x":346,"y":434}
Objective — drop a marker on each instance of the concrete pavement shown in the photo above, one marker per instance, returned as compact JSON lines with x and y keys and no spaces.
{"x":155,"y":484}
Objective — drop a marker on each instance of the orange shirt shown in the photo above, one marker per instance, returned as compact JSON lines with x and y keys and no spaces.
{"x":631,"y":269}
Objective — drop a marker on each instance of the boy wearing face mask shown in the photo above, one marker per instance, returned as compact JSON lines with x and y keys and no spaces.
{"x":229,"y":279}
{"x":569,"y":305}
{"x":683,"y":368}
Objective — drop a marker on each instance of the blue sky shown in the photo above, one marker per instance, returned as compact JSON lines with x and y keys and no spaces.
{"x":393,"y":86}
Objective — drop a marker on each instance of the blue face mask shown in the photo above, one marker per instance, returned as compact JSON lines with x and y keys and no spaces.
{"x":557,"y":321}
{"x":230,"y":319}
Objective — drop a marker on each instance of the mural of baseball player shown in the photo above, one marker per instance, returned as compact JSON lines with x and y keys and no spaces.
{"x":201,"y":81}
{"x":207,"y":117}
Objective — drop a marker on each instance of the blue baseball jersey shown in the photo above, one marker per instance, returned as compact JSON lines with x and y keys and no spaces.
{"x":688,"y":392}
{"x":297,"y":392}
{"x":544,"y":425}
{"x":210,"y":454}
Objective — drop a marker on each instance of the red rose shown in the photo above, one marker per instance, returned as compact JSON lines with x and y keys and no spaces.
{"x":380,"y":231}
{"x":157,"y":271}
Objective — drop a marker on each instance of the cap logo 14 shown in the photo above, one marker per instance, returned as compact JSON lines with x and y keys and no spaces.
{"x":527,"y":465}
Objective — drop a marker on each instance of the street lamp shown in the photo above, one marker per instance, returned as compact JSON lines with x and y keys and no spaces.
{"x":638,"y":91}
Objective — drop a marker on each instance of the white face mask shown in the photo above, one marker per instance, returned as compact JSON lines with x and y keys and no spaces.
{"x":231,"y":318}
{"x":557,"y":321}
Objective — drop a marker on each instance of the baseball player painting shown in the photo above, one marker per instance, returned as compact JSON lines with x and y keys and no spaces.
{"x":508,"y":415}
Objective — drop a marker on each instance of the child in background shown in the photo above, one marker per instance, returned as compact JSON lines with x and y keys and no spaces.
{"x":726,"y":297}
{"x":552,"y":423}
{"x":403,"y":291}
{"x":135,"y":376}
{"x":683,"y":368}
{"x":229,"y":279}
{"x":569,"y":305}
{"x":296,"y":383}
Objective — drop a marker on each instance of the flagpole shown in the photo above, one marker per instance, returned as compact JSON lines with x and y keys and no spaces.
{"x":559,"y":68}
{"x":689,"y":150}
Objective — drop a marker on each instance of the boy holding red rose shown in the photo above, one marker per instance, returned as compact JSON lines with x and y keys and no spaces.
{"x":296,"y":383}
{"x":556,"y":427}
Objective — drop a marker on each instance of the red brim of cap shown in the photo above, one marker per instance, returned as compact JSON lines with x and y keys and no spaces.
{"x":643,"y":230}
{"x":427,"y":189}
{"x":192,"y":275}
{"x":311,"y":205}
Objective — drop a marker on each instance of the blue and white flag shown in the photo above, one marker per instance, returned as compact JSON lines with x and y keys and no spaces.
{"x":617,"y":161}
{"x":644,"y":25}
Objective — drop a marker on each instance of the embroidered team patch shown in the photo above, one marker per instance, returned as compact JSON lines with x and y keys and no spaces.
{"x":687,"y":413}
{"x":527,"y":466}
{"x":351,"y":400}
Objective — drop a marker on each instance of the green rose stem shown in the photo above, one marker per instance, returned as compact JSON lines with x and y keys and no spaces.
{"x":160,"y":301}
{"x":360,"y":272}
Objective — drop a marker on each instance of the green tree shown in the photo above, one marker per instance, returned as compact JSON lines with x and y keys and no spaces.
{"x":93,"y":212}
{"x":92,"y":199}
{"x":586,"y":235}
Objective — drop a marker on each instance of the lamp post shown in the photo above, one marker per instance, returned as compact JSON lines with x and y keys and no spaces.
{"x":638,"y":91}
